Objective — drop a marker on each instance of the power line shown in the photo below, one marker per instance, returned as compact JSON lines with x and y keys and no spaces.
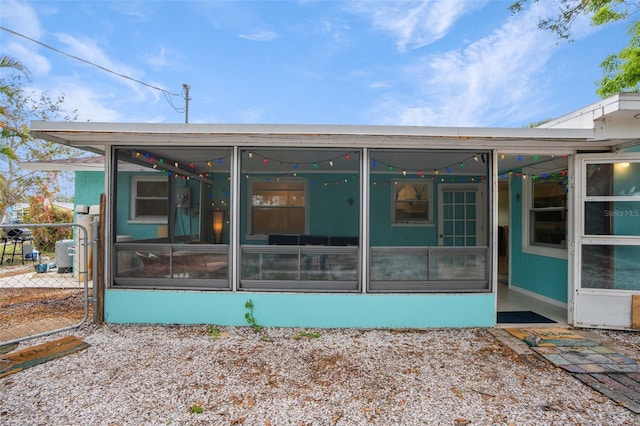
{"x":166,"y":93}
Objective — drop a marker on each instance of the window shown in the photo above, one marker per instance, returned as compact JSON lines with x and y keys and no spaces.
{"x":278,"y":207}
{"x":149,"y":199}
{"x":545,"y":220}
{"x":412,"y":202}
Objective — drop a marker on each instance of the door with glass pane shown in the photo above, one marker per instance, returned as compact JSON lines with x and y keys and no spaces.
{"x":606,"y":254}
{"x":460,"y":215}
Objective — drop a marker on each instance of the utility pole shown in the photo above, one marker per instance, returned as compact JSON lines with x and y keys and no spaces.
{"x":185,"y":91}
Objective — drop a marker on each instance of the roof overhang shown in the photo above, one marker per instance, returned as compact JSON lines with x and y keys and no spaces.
{"x":97,"y":137}
{"x":91,"y":164}
{"x":621,"y":106}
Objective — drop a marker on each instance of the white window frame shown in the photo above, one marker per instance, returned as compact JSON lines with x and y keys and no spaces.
{"x":133,"y":217}
{"x":249,"y":235}
{"x":430,"y":201}
{"x":527,"y":245}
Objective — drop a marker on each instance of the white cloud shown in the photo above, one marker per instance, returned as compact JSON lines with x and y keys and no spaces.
{"x":90,"y":105}
{"x":415,"y":24}
{"x":135,"y":9}
{"x":94,"y":101}
{"x":259,"y":35}
{"x":250,"y":115}
{"x":36,"y":64}
{"x":159,"y":59}
{"x":89,"y":50}
{"x":21,"y":18}
{"x":337,"y":31}
{"x":380,"y":85}
{"x":484,"y":83}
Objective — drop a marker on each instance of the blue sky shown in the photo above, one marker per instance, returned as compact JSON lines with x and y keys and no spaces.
{"x":430,"y":63}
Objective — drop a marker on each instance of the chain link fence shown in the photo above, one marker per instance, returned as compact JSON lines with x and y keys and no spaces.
{"x":45,"y":279}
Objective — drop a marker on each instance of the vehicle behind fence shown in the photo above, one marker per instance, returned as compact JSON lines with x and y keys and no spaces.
{"x":45,"y":279}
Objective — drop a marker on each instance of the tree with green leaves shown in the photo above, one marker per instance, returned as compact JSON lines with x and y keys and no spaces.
{"x":5,"y":90}
{"x":18,"y":107}
{"x":621,"y":71}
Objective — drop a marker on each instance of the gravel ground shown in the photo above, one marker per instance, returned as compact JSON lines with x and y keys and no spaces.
{"x":187,"y":375}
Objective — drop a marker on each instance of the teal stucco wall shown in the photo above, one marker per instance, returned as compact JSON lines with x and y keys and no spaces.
{"x":546,"y":276}
{"x":88,"y":187}
{"x":301,"y":310}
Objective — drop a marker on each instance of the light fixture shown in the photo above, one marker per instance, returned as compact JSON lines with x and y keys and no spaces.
{"x":624,"y":165}
{"x":218,"y":225}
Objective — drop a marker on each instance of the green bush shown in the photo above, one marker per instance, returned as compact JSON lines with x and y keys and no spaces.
{"x":41,"y":212}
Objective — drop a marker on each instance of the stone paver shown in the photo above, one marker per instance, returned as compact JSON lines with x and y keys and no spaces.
{"x":610,"y":373}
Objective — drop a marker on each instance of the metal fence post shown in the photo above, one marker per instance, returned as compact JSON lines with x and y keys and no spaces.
{"x":94,"y":267}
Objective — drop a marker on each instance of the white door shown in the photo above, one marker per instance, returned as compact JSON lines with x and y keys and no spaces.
{"x":606,"y":249}
{"x":461,"y":218}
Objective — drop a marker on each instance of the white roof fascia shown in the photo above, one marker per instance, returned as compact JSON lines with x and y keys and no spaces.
{"x":47,"y":166}
{"x":53,"y":166}
{"x":99,"y":129}
{"x":91,"y":134}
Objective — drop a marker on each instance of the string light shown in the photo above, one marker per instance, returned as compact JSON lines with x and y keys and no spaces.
{"x":315,"y":165}
{"x":188,"y":174}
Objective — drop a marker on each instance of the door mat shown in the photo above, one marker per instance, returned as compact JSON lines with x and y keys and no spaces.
{"x":550,"y":337}
{"x":522,"y":317}
{"x":39,"y":354}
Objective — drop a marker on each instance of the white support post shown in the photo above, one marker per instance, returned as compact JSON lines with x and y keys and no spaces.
{"x":364,"y":219}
